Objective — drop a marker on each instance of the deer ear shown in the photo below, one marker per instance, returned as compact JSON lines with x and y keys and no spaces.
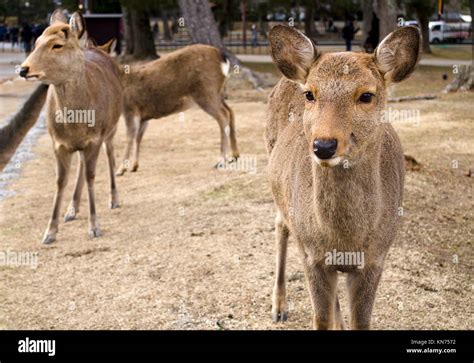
{"x":109,"y":47}
{"x":397,"y":55}
{"x":77,"y":24}
{"x":58,"y":16}
{"x":292,"y":51}
{"x":91,"y":43}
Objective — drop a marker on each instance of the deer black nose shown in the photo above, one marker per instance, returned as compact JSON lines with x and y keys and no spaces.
{"x":24,"y":71}
{"x":325,"y":149}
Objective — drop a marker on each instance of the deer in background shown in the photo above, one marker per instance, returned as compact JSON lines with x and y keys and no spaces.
{"x":336,"y":171}
{"x":81,"y":81}
{"x":168,"y":85}
{"x":12,"y":134}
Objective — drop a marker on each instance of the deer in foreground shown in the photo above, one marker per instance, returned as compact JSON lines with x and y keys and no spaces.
{"x":13,"y":133}
{"x":84,"y":104}
{"x":336,"y":170}
{"x":167,"y":86}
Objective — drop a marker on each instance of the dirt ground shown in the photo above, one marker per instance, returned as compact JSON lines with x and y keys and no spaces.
{"x":192,"y":247}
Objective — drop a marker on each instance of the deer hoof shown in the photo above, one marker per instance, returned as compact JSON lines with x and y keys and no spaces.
{"x":220,"y":165}
{"x":69,"y":217}
{"x":135,"y":168}
{"x":279,"y":316}
{"x":120,"y":171}
{"x":114,"y":205}
{"x":49,"y":238}
{"x":95,"y":232}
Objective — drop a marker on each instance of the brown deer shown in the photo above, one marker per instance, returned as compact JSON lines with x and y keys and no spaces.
{"x":85,"y":99}
{"x":12,"y":134}
{"x":336,"y":170}
{"x":168,"y":85}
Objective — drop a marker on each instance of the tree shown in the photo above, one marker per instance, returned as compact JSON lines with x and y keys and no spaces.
{"x":310,"y":12}
{"x":386,"y":11}
{"x":423,"y":9}
{"x":368,"y":13}
{"x":12,"y":134}
{"x":31,"y":11}
{"x":139,"y":40}
{"x":202,"y":28}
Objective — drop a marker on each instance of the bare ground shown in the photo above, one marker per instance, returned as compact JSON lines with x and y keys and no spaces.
{"x":193,"y":247}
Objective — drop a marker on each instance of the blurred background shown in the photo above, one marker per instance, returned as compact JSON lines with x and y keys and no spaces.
{"x":193,"y":247}
{"x":242,"y":25}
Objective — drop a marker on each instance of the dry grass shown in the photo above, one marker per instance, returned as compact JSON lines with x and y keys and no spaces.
{"x":193,"y":247}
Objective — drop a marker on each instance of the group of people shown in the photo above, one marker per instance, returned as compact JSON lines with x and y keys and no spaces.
{"x":25,"y":35}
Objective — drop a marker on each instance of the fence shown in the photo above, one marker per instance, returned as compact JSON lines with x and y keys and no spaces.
{"x":238,"y":43}
{"x":234,"y":41}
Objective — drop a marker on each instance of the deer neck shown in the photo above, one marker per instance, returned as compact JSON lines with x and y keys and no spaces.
{"x":348,"y":199}
{"x":72,"y":94}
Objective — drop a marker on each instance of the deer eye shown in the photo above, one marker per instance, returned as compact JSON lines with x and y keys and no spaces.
{"x":366,"y":97}
{"x":57,"y":46}
{"x":309,"y":96}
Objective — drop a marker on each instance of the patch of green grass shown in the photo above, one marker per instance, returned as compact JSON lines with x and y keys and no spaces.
{"x":425,"y":80}
{"x":450,"y":51}
{"x":264,"y":68}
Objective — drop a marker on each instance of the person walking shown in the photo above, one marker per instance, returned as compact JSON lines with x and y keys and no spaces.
{"x":348,"y":34}
{"x":14,"y":36}
{"x":3,"y":35}
{"x":254,"y":35}
{"x":26,"y":35}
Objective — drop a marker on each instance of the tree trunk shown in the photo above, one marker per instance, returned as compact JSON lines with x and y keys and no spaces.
{"x":309,"y":27}
{"x":138,"y":34}
{"x":128,"y":31}
{"x":368,"y":13}
{"x":203,"y":29}
{"x":143,"y":43}
{"x":425,"y":33}
{"x":13,"y":133}
{"x":463,"y":80}
{"x":387,"y":14}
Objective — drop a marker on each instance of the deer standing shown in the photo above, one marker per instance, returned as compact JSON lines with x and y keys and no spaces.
{"x":336,"y":170}
{"x":82,"y":82}
{"x":167,"y":86}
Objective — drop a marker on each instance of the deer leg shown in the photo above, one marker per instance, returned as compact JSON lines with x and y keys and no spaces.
{"x":131,"y":124}
{"x":63,"y":160}
{"x":279,"y":302}
{"x":138,"y":140}
{"x":362,"y":285}
{"x":114,"y":199}
{"x":322,"y":287}
{"x":90,"y":155}
{"x":73,"y":208}
{"x":339,"y":323}
{"x":215,"y":108}
{"x":232,"y":135}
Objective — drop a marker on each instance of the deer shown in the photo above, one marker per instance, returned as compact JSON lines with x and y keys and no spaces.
{"x":84,"y":103}
{"x":168,"y":85}
{"x":336,"y":169}
{"x":13,"y":133}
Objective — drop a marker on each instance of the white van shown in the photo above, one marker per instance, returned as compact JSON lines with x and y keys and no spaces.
{"x":440,"y":31}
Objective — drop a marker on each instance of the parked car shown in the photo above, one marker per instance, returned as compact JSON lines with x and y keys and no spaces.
{"x":441,"y":31}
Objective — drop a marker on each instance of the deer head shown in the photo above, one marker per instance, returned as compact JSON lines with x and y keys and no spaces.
{"x":58,"y":55}
{"x":344,"y":93}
